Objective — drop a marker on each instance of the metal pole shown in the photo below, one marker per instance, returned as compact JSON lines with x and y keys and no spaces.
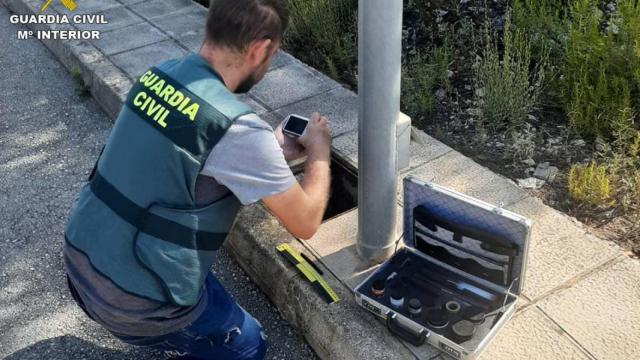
{"x":379,"y":55}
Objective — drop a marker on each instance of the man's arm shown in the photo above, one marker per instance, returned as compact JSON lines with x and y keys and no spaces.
{"x":301,"y":207}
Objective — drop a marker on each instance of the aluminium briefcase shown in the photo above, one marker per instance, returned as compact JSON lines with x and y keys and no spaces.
{"x":456,"y":281}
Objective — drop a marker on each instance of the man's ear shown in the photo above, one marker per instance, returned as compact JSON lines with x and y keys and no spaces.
{"x":258,"y":51}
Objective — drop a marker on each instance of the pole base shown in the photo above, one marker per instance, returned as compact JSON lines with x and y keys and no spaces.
{"x":374,"y":255}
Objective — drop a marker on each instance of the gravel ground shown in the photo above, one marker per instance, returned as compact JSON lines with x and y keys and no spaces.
{"x":49,"y":139}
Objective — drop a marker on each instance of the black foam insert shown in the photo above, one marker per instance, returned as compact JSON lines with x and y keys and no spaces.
{"x":433,"y":286}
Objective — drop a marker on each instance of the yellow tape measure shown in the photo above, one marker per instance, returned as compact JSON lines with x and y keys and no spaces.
{"x":309,"y":272}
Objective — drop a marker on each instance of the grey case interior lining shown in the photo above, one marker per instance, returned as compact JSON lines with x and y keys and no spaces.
{"x":470,"y":212}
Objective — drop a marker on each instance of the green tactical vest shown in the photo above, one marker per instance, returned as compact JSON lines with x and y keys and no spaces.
{"x":136,"y":219}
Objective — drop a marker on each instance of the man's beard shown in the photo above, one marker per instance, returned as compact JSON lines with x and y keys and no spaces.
{"x":246,"y":84}
{"x":252,"y":79}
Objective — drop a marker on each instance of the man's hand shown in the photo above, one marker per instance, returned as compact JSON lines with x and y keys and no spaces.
{"x":291,"y":148}
{"x":317,"y":137}
{"x":301,"y":208}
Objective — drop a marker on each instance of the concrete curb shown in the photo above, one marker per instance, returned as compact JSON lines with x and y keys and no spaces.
{"x":337,"y":331}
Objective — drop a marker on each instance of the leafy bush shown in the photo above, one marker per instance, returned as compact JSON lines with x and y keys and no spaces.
{"x":508,"y":88}
{"x":545,"y":23}
{"x":599,"y":84}
{"x":636,"y":191}
{"x":616,"y":180}
{"x":628,"y":21}
{"x":625,"y":164}
{"x":591,"y":184}
{"x":420,"y":77}
{"x":522,"y":143}
{"x":323,"y":34}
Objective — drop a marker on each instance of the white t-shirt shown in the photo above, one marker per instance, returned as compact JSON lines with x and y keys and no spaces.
{"x":247,"y":161}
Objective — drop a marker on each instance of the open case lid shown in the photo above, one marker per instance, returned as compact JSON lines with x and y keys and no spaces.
{"x":475,"y":237}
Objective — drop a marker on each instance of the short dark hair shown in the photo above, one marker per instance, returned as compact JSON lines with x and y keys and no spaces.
{"x":236,"y":23}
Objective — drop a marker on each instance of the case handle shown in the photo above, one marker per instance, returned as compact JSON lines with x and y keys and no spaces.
{"x":414,"y":337}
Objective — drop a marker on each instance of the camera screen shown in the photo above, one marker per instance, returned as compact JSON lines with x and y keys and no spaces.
{"x":296,"y":125}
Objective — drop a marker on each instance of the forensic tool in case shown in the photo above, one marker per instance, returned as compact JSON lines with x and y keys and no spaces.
{"x":310,"y":272}
{"x":456,"y":281}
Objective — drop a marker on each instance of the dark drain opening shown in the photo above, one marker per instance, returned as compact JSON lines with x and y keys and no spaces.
{"x":344,"y":188}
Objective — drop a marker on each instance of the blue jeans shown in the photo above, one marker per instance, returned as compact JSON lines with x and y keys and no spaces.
{"x":224,"y":331}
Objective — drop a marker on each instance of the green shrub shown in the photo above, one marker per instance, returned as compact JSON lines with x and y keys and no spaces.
{"x":625,"y":164}
{"x":591,"y":184}
{"x":322,"y":33}
{"x":600,"y":88}
{"x":599,"y":67}
{"x":545,"y":23}
{"x":521,"y":144}
{"x":628,"y":21}
{"x":616,"y":180}
{"x":636,"y":192}
{"x":421,"y":76}
{"x":508,"y":87}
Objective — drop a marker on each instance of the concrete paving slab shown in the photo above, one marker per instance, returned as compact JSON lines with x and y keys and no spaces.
{"x":192,"y":41}
{"x":602,"y":311}
{"x":86,"y":6}
{"x":256,"y":106}
{"x":119,"y":40}
{"x":531,"y":335}
{"x":457,"y":172}
{"x":130,"y":2}
{"x":335,"y":246}
{"x":523,"y":304}
{"x":424,"y":148}
{"x":190,"y":21}
{"x":339,"y":105}
{"x":135,"y":62}
{"x":559,"y":250}
{"x":289,"y":84}
{"x":154,"y":8}
{"x":422,"y":151}
{"x":346,"y":146}
{"x":117,"y":17}
{"x":281,"y":59}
